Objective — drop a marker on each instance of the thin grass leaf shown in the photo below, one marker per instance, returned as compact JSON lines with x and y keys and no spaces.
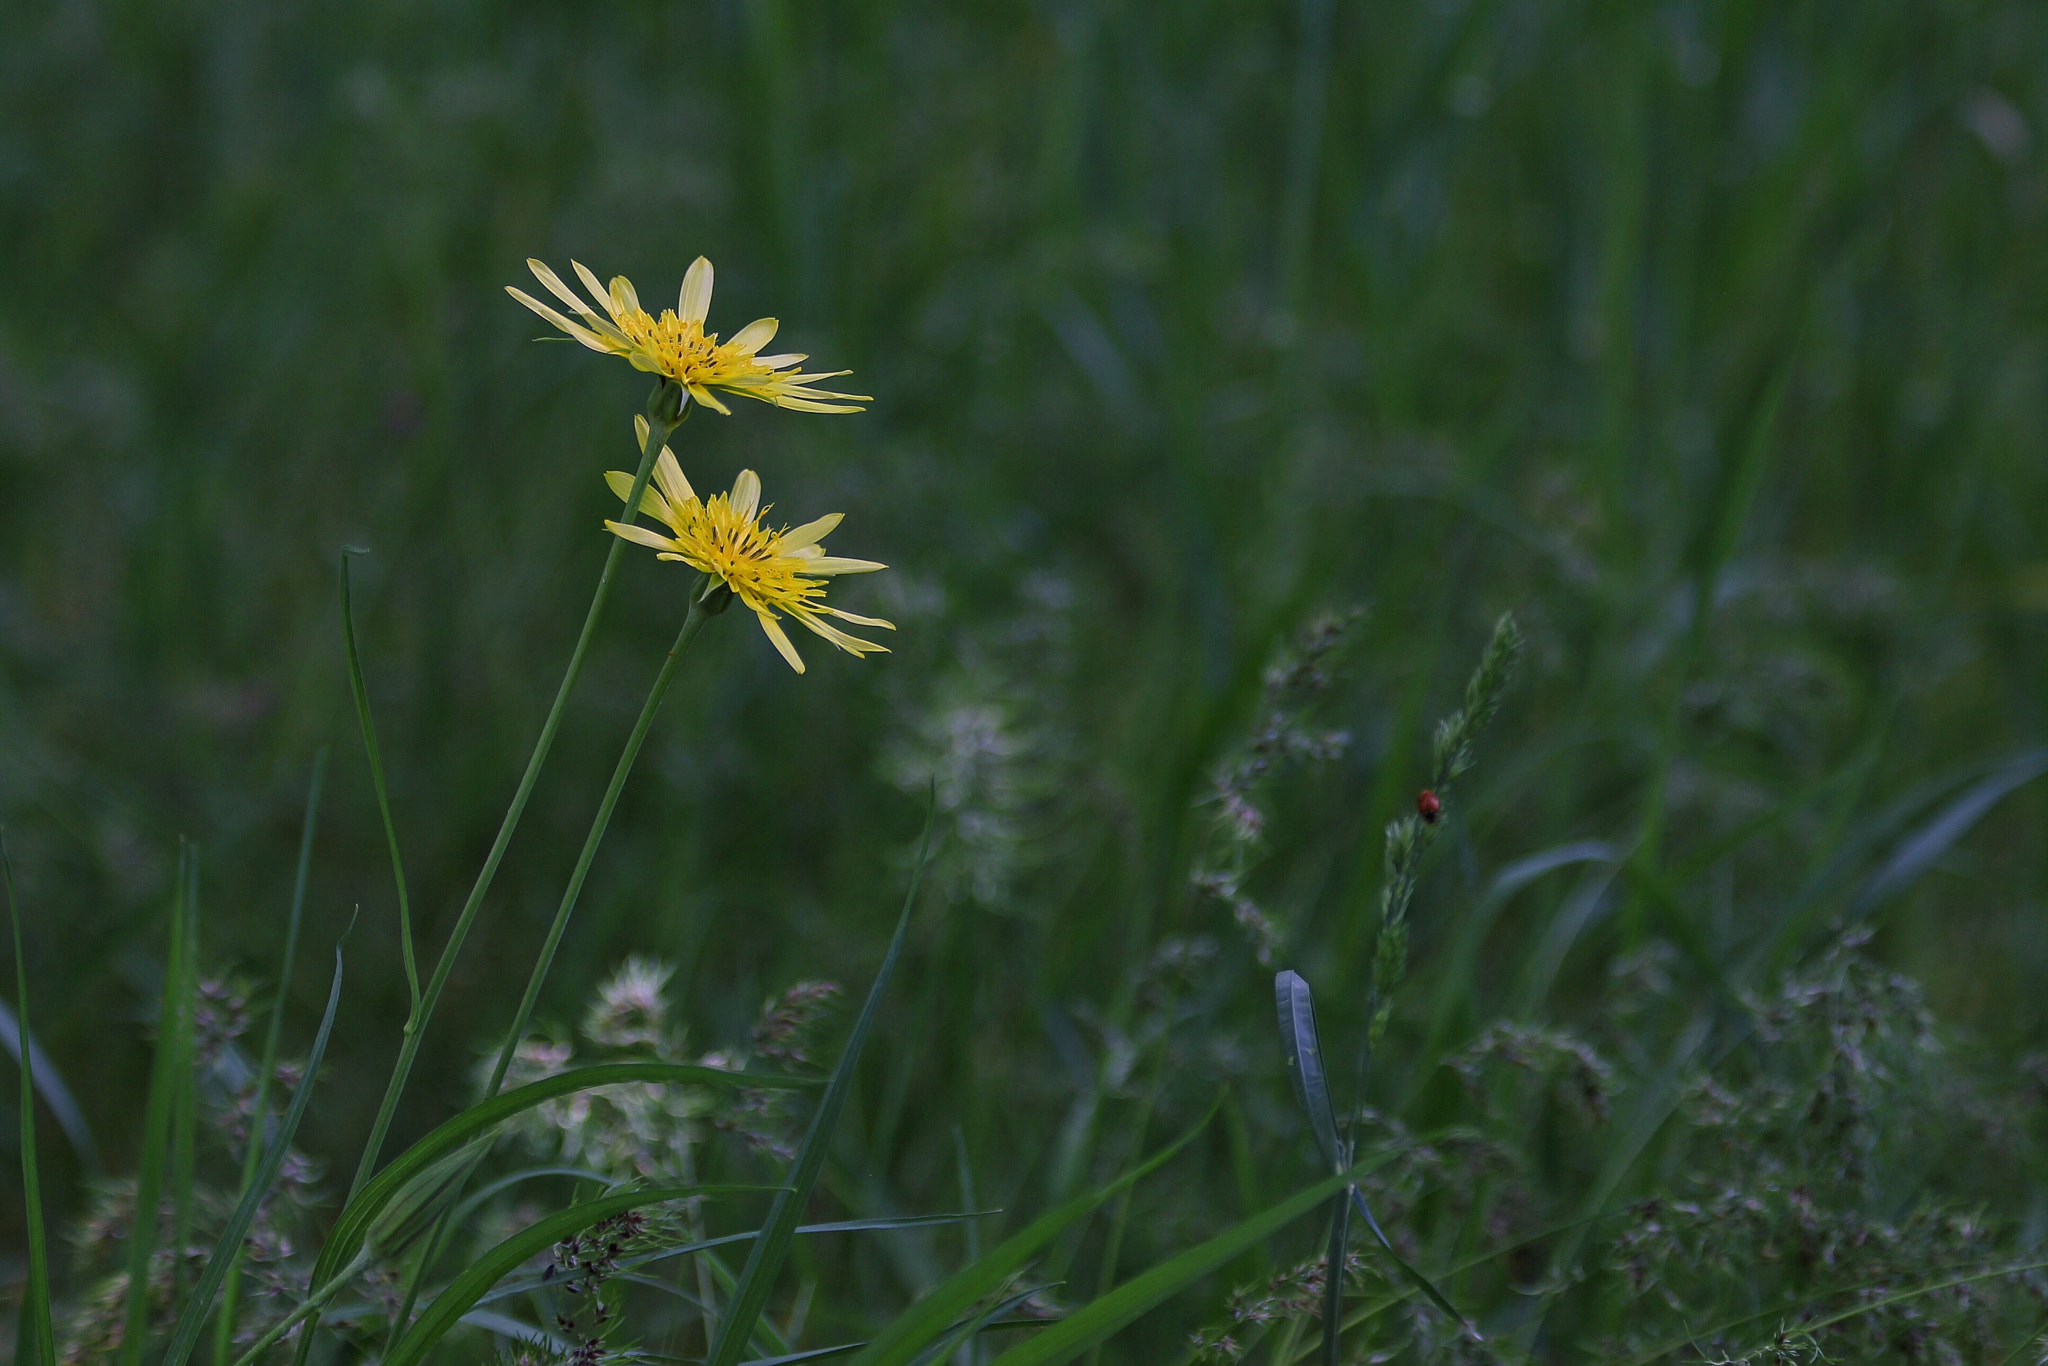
{"x":988,"y":1318}
{"x":465,"y":1291}
{"x":172,"y":1021}
{"x":1333,"y":1280}
{"x":38,"y":1344}
{"x":765,"y":1257}
{"x":346,"y":1237}
{"x":1415,"y":1277}
{"x":361,"y":693}
{"x":477,"y":1197}
{"x":1795,"y":1307}
{"x":259,"y":1114}
{"x":185,"y":1107}
{"x":507,"y":1327}
{"x":227,"y":1250}
{"x":918,"y":1326}
{"x":516,"y":1288}
{"x":1104,"y":1316}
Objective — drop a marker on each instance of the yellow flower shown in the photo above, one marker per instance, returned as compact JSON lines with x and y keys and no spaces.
{"x":769,"y":571}
{"x":676,"y":346}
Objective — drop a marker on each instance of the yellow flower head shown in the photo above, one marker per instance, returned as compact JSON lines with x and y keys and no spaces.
{"x":770,"y":571}
{"x":676,"y":346}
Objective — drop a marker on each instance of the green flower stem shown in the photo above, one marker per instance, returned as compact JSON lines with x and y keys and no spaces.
{"x":693,"y":622}
{"x":661,"y":423}
{"x":314,"y":1303}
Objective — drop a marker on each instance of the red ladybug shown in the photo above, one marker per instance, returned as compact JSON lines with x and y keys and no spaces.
{"x":1428,"y":806}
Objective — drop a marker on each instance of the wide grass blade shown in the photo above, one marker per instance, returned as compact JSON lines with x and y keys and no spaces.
{"x":765,"y":1258}
{"x":1918,"y":851}
{"x":346,"y":1237}
{"x":38,"y":1340}
{"x":465,"y":1291}
{"x":1102,"y":1317}
{"x":932,"y":1316}
{"x":227,"y":1250}
{"x":1305,"y":1063}
{"x":173,"y":1039}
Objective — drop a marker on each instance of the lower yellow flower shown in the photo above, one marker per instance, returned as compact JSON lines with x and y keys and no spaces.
{"x":770,"y":571}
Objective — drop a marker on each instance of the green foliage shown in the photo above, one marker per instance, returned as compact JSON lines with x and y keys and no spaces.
{"x":1706,"y":336}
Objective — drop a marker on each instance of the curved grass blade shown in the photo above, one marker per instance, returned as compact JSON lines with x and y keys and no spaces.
{"x":1305,"y":1062}
{"x":38,"y":1344}
{"x":507,"y":1327}
{"x":49,"y":1084}
{"x":228,"y":1249}
{"x":477,"y":1197}
{"x":1106,"y":1314}
{"x":1918,"y":851}
{"x":916,"y":1327}
{"x":765,"y":1258}
{"x":346,"y":1237}
{"x":1420,"y":1281}
{"x":463,"y":1293}
{"x":173,"y":1022}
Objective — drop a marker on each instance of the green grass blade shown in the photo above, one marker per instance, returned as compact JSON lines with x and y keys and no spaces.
{"x":50,"y":1085}
{"x":463,"y":1293}
{"x":185,"y":1104}
{"x":1918,"y":851}
{"x":346,"y":1237}
{"x":526,"y":1287}
{"x":173,"y":1020}
{"x":1102,"y":1317}
{"x":1305,"y":1062}
{"x":765,"y":1257}
{"x":1415,"y":1277}
{"x":40,"y":1345}
{"x":259,"y":1114}
{"x":1792,"y":1308}
{"x":360,"y":691}
{"x":1333,"y":1280}
{"x":930,"y":1318}
{"x":226,"y":1251}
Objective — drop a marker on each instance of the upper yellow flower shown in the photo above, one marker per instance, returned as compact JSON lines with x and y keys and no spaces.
{"x":770,"y":571}
{"x":676,"y":345}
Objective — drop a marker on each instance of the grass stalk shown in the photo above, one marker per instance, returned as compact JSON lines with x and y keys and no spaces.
{"x":666,"y":408}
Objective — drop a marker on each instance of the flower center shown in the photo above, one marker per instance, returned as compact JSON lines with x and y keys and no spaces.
{"x":680,"y":348}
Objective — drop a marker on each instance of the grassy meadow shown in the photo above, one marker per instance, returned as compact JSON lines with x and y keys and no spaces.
{"x":1236,"y":365}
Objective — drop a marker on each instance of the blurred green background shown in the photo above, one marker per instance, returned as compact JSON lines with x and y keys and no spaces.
{"x":1710,"y":338}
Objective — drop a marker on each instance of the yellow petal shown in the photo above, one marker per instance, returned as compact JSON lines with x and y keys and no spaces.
{"x":754,"y":335}
{"x":596,"y":288}
{"x":695,"y":301}
{"x":582,"y":334}
{"x":708,"y":399}
{"x":639,"y":535}
{"x":825,"y":566}
{"x":783,"y":361}
{"x":810,"y":533}
{"x":669,"y":474}
{"x":554,"y":285}
{"x":773,"y":630}
{"x":858,"y":620}
{"x":651,"y":502}
{"x":746,"y":495}
{"x":623,"y":296}
{"x":853,"y":645}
